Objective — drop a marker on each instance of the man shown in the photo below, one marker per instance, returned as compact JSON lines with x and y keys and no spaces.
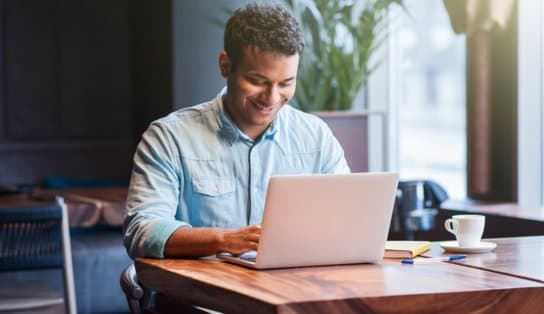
{"x":200,"y":174}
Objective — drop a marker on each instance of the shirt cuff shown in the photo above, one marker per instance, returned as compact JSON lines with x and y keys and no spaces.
{"x":160,"y":233}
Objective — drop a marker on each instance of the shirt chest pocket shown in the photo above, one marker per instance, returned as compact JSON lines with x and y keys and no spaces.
{"x":213,"y":202}
{"x":213,"y":187}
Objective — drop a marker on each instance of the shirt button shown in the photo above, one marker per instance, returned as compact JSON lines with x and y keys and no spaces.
{"x":216,"y":189}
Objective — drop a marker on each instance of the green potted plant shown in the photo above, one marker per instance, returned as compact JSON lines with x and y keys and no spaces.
{"x":340,"y":38}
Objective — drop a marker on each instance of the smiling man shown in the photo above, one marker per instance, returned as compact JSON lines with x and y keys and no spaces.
{"x":201,"y":173}
{"x":258,"y":87}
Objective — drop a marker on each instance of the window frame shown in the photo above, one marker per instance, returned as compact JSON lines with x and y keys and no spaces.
{"x":530,"y":104}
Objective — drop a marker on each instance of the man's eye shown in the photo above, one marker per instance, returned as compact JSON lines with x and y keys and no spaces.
{"x":256,"y":81}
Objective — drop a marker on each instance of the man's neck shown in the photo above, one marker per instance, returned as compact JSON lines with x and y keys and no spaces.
{"x":253,"y":132}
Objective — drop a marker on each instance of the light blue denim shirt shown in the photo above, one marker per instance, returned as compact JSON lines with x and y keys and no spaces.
{"x":195,"y":168}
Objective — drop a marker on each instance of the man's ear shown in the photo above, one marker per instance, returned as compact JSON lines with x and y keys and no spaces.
{"x":224,"y":64}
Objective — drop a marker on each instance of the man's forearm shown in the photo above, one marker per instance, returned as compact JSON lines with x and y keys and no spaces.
{"x":198,"y":242}
{"x":193,"y":242}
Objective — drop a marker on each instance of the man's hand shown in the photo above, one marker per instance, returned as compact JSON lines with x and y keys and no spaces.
{"x":198,"y":242}
{"x":240,"y":240}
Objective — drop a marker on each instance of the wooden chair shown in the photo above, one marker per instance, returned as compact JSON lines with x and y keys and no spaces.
{"x":36,"y":238}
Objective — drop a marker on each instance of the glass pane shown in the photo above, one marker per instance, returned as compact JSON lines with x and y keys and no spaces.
{"x":431,"y":109}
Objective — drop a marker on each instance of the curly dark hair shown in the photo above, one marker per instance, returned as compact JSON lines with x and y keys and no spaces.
{"x":268,"y":27}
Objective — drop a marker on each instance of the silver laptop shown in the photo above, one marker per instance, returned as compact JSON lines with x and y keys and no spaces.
{"x":323,"y":219}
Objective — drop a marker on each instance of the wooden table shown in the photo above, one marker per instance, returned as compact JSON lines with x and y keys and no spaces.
{"x":521,"y":257}
{"x":87,"y":207}
{"x":389,"y":287}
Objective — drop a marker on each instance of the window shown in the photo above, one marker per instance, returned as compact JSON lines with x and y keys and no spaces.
{"x":430,"y":101}
{"x":530,"y":104}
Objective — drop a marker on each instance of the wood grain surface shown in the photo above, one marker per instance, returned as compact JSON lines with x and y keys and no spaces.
{"x":522,"y":257}
{"x":365,"y":288}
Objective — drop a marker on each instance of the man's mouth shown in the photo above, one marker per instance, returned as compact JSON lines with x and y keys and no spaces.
{"x":265,"y":109}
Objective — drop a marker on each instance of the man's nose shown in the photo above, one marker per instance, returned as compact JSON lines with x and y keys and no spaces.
{"x":273,"y":95}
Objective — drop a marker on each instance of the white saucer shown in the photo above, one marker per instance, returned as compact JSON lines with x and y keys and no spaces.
{"x":482,"y":247}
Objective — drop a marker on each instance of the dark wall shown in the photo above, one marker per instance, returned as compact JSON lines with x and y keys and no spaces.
{"x":197,"y":43}
{"x":65,"y":89}
{"x":152,"y":61}
{"x":81,"y":80}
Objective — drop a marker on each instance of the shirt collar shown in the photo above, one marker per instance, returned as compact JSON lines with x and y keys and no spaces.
{"x":270,"y":133}
{"x":228,"y":129}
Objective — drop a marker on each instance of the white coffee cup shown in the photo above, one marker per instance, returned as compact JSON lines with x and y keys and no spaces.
{"x":468,"y":229}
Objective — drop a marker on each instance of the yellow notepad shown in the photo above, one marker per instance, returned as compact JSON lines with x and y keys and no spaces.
{"x":405,"y":249}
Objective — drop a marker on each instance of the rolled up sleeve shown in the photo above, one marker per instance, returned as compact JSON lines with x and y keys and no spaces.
{"x":152,"y":202}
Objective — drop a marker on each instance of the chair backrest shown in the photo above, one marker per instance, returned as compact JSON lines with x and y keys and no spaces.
{"x":351,"y":130}
{"x":138,"y":296}
{"x":37,"y":237}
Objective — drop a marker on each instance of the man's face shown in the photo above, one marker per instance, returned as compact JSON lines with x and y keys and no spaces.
{"x":257,"y":87}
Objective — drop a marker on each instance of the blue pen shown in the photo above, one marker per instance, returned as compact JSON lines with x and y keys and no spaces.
{"x":436,"y":259}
